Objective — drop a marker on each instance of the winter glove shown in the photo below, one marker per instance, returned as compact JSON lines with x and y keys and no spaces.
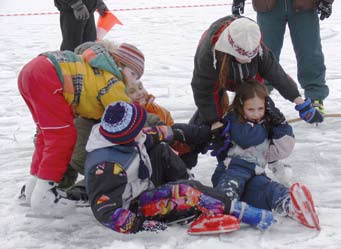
{"x":80,"y":11}
{"x":163,"y":132}
{"x":194,"y":135}
{"x":309,"y":113}
{"x":220,"y":139}
{"x":238,"y":7}
{"x":260,"y":218}
{"x":273,"y":115}
{"x":153,"y":120}
{"x":324,"y":9}
{"x":101,"y":7}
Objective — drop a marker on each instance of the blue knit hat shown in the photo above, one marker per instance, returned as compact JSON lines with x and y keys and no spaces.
{"x":122,"y":122}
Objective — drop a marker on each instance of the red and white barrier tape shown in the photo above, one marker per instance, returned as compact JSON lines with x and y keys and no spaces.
{"x":126,"y":9}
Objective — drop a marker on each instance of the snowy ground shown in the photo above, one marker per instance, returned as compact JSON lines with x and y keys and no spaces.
{"x":168,"y":37}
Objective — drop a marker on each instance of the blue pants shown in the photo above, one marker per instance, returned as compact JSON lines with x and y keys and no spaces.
{"x":240,"y":181}
{"x":304,"y":29}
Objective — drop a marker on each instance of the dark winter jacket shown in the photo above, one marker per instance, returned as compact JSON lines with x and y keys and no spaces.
{"x":252,"y":143}
{"x":126,"y":157}
{"x":208,"y":96}
{"x":65,"y":5}
{"x":268,"y":5}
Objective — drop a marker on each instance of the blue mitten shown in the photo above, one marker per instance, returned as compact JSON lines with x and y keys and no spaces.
{"x":260,"y":218}
{"x":309,"y":113}
{"x":220,"y":139}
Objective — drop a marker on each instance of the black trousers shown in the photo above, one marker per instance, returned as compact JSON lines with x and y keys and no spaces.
{"x":76,"y":32}
{"x":167,"y":166}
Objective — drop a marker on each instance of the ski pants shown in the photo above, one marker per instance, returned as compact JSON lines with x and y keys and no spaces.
{"x":42,"y":91}
{"x":182,"y":198}
{"x":304,"y":30}
{"x":76,"y":32}
{"x":169,"y":202}
{"x":83,"y":126}
{"x":167,"y":166}
{"x":239,"y":181}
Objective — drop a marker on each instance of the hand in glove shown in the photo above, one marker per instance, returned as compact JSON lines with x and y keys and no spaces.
{"x":220,"y":139}
{"x":80,"y":11}
{"x":153,"y":120}
{"x":101,"y":7}
{"x":238,"y":7}
{"x":309,"y":113}
{"x":324,"y":9}
{"x":162,"y":132}
{"x":273,"y":115}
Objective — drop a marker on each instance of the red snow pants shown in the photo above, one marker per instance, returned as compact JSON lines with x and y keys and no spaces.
{"x":42,"y":91}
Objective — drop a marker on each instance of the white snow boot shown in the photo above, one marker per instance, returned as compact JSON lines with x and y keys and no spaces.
{"x":47,"y":200}
{"x":26,"y":191}
{"x":282,"y":172}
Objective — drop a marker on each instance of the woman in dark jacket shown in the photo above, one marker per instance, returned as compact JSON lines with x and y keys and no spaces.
{"x":231,"y":51}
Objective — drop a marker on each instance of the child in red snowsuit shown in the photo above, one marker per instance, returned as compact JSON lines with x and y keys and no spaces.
{"x":56,"y":87}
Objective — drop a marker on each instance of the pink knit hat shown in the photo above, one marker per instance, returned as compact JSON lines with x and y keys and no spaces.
{"x":241,"y":39}
{"x":130,"y":56}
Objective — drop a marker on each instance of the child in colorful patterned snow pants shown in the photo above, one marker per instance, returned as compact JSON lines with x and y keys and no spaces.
{"x":132,"y":186}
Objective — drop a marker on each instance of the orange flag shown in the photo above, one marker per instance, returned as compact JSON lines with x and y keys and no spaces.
{"x":105,"y":24}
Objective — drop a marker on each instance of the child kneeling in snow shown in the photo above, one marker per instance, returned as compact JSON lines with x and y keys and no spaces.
{"x":256,"y":133}
{"x":132,"y":189}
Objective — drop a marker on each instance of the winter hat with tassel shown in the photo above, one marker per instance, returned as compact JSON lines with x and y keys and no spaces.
{"x":122,"y":122}
{"x":130,"y":56}
{"x":241,"y":39}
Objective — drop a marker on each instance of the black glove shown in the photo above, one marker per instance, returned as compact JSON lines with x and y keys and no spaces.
{"x":101,"y":7}
{"x":193,"y":135}
{"x":273,"y":115}
{"x":324,"y":9}
{"x":238,"y":7}
{"x":80,"y":11}
{"x":309,"y":113}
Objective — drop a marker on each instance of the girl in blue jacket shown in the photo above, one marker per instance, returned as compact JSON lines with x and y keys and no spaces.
{"x":256,"y":133}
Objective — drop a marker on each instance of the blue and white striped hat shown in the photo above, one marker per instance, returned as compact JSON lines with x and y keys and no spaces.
{"x":122,"y":122}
